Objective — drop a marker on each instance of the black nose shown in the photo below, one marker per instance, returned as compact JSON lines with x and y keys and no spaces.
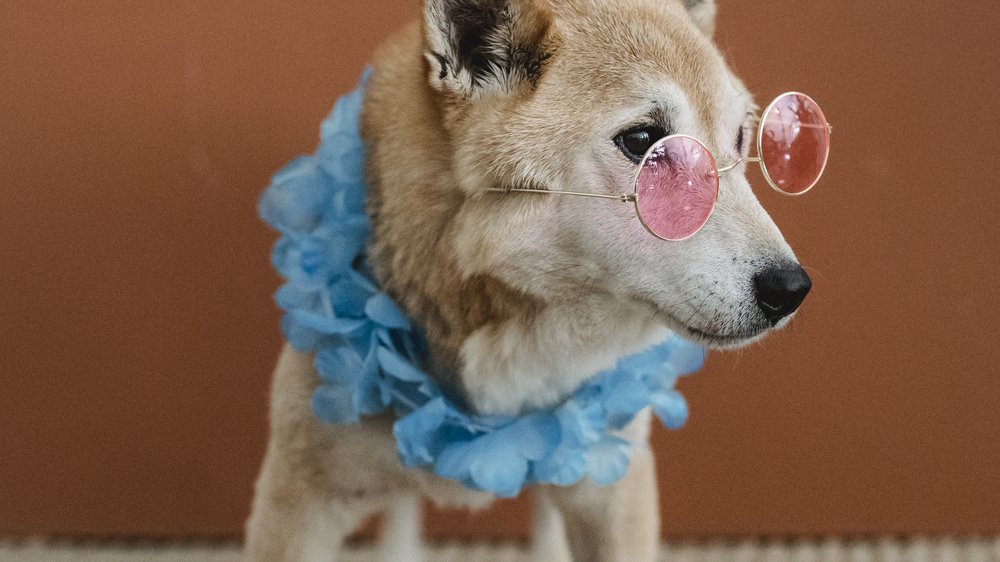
{"x":780,"y":291}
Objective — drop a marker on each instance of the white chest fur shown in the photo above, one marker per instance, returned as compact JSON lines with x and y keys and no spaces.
{"x":516,"y":366}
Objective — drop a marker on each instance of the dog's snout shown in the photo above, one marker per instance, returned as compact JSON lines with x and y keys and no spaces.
{"x":780,"y":291}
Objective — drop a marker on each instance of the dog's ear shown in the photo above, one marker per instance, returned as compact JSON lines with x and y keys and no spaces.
{"x":703,"y":14}
{"x":482,"y":47}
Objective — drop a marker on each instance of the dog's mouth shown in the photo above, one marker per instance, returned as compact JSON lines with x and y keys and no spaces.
{"x":719,"y":340}
{"x":723,"y":341}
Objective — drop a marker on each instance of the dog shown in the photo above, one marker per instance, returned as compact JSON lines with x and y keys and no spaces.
{"x":523,"y":297}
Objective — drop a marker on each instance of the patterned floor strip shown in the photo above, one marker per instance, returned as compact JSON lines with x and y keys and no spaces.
{"x":886,"y":550}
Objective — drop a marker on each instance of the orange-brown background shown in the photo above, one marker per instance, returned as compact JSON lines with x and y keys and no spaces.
{"x":137,"y":331}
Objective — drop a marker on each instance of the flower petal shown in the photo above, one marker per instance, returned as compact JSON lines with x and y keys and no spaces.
{"x":399,"y":368}
{"x":624,"y":400}
{"x":373,"y":394}
{"x":671,"y":408}
{"x":536,"y":435}
{"x":348,"y":299}
{"x":291,"y":296}
{"x":383,"y":310}
{"x":341,"y":155}
{"x":326,"y":324}
{"x":296,"y":198}
{"x":488,"y":462}
{"x":565,"y":466}
{"x":687,"y":357}
{"x":416,"y":433}
{"x":607,"y":461}
{"x":340,"y":365}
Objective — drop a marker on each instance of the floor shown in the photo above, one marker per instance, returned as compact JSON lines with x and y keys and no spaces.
{"x":919,"y":550}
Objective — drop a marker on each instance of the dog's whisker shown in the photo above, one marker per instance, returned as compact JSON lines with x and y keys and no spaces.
{"x":683,"y":302}
{"x":698,"y":310}
{"x":739,"y":357}
{"x":559,"y":269}
{"x":693,"y":291}
{"x":814,"y":270}
{"x":687,"y":300}
{"x":583,"y":288}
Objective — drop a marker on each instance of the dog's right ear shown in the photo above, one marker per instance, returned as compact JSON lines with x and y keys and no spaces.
{"x":703,"y":14}
{"x":481,"y":47}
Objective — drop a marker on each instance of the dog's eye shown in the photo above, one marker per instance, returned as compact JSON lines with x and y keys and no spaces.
{"x":740,"y":140}
{"x":636,"y":141}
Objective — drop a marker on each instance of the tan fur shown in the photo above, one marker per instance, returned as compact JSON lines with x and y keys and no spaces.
{"x":414,"y":254}
{"x":523,"y":297}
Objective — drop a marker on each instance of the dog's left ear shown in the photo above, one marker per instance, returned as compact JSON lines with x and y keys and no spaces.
{"x":483,"y":47}
{"x":703,"y":14}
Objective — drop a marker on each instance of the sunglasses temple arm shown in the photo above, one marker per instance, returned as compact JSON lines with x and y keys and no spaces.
{"x":739,"y":161}
{"x":624,"y":198}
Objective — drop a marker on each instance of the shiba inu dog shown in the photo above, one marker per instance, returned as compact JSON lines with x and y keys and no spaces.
{"x":525,"y":296}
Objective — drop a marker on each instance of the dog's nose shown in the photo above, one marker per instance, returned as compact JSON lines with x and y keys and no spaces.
{"x":780,"y":291}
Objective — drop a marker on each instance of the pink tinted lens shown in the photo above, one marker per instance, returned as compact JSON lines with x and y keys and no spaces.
{"x":794,"y":143}
{"x":676,"y":187}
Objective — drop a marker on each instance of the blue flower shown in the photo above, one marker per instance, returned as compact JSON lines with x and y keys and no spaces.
{"x":566,"y":465}
{"x":297,"y":198}
{"x":607,"y":460}
{"x":581,"y":424}
{"x":348,"y":299}
{"x":498,"y":461}
{"x":685,"y":357}
{"x":341,"y":152}
{"x":381,"y":309}
{"x":417,"y":439}
{"x":623,"y":396}
{"x":346,"y":113}
{"x":342,"y":158}
{"x":303,"y":260}
{"x":671,"y":408}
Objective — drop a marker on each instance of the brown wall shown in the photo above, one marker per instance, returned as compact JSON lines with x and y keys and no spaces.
{"x":138,"y":331}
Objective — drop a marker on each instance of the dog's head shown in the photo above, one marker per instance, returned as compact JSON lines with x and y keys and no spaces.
{"x":565,"y":95}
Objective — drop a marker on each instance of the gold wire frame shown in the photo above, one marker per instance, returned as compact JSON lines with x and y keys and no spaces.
{"x":635,"y":185}
{"x":760,"y":144}
{"x":633,"y":197}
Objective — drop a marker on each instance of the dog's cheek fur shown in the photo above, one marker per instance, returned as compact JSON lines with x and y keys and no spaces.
{"x":415,"y":208}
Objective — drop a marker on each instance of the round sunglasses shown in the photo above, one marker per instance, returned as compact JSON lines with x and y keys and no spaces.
{"x":677,"y":182}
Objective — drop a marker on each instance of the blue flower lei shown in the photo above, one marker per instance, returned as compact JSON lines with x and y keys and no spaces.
{"x":368,"y":353}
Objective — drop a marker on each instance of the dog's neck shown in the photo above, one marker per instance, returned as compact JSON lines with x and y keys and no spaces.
{"x":512,"y":366}
{"x":506,"y":351}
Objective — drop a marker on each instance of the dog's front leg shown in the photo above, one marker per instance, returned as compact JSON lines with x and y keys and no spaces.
{"x":291,"y":522}
{"x":616,"y":522}
{"x":316,"y":482}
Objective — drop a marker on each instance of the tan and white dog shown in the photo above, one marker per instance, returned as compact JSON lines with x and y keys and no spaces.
{"x":524,"y":296}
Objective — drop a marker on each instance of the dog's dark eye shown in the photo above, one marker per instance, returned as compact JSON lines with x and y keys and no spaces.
{"x":636,"y":141}
{"x":739,"y":140}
